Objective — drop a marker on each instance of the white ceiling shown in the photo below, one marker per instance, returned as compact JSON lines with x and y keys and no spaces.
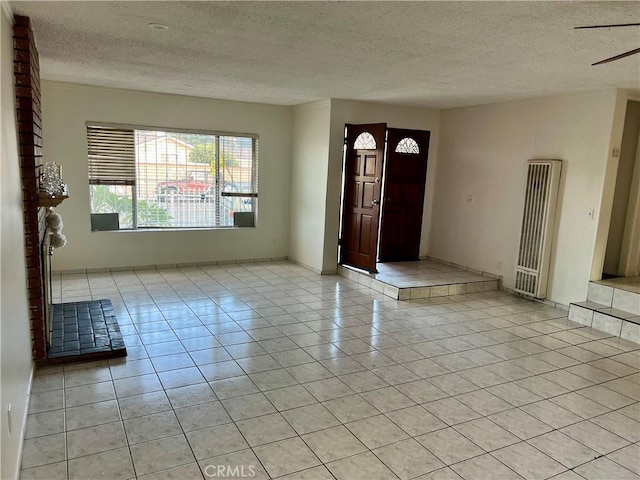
{"x":429,"y":54}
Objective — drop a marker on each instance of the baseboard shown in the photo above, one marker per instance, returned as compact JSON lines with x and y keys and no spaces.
{"x":135,"y":268}
{"x":23,"y":427}
{"x":329,"y":272}
{"x":544,"y":301}
{"x":461,"y":267}
{"x":304,"y":265}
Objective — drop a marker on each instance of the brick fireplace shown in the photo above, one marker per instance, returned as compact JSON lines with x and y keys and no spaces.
{"x":66,"y":332}
{"x":29,"y":121}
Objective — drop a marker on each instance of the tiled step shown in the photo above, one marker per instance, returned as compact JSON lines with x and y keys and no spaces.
{"x":614,"y":297}
{"x":428,"y":290}
{"x":606,"y":318}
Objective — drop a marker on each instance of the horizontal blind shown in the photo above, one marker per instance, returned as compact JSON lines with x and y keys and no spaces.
{"x":112,"y":155}
{"x":238,"y":164}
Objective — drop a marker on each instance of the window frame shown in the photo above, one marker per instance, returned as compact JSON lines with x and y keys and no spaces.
{"x":253,"y":195}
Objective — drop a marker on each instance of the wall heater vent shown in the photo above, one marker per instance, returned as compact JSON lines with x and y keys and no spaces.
{"x":538,"y":220}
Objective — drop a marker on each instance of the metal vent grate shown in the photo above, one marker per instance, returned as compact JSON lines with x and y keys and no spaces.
{"x":526,"y":282}
{"x":536,"y":235}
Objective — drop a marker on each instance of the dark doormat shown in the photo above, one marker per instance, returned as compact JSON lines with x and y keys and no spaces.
{"x":84,"y":331}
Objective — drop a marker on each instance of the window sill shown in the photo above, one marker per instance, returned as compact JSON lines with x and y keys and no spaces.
{"x":164,"y":230}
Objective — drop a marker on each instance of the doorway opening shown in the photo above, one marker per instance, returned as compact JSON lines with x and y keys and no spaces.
{"x":622,"y":256}
{"x":384,"y":183}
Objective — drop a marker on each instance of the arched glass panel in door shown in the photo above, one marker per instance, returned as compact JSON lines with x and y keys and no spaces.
{"x":364,"y":141}
{"x":407,"y":145}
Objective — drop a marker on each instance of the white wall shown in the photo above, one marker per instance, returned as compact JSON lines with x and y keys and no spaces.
{"x":15,"y":347}
{"x":309,"y":166}
{"x":483,"y":153}
{"x":346,"y":111}
{"x":66,"y":108}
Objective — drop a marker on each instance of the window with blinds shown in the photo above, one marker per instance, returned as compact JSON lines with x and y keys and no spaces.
{"x":172,"y":179}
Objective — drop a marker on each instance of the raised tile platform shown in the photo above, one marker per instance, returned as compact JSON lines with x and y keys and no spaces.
{"x":627,"y":284}
{"x":611,"y":309}
{"x":84,"y":331}
{"x":422,"y":279}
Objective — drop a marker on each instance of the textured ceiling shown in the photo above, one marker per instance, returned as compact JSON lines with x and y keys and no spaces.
{"x":430,"y":54}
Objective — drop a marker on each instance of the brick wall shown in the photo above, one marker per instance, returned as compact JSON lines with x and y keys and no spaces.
{"x":27,"y":89}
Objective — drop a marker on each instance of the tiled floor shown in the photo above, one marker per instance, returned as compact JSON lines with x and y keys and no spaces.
{"x":270,"y":371}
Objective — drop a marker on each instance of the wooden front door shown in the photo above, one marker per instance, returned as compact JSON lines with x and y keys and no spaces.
{"x":364,"y":156}
{"x":404,"y":188}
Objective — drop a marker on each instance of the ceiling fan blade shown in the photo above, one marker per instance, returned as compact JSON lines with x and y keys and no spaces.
{"x":617,"y":57}
{"x":609,"y":26}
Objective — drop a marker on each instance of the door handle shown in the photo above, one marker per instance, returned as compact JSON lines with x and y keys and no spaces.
{"x":375,"y":202}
